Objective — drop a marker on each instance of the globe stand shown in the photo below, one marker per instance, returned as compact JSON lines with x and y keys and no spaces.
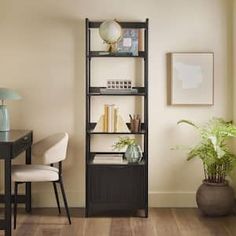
{"x":112,"y":47}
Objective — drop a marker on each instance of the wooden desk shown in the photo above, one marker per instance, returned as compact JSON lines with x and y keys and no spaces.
{"x":13,"y":143}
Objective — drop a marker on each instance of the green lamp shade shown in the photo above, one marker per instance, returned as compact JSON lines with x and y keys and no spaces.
{"x":6,"y":94}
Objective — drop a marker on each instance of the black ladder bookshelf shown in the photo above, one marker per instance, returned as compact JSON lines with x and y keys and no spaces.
{"x":111,"y":187}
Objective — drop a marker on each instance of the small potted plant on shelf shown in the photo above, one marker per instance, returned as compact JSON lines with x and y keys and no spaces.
{"x":214,"y":197}
{"x":133,"y":151}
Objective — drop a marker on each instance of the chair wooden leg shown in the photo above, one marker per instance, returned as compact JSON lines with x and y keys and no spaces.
{"x":57,"y":198}
{"x":64,"y":199}
{"x":15,"y":203}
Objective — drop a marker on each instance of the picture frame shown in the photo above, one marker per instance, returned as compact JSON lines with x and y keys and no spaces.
{"x":129,"y":42}
{"x":191,"y":78}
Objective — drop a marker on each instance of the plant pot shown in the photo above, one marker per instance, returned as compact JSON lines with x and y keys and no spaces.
{"x":133,"y":153}
{"x":215,"y":199}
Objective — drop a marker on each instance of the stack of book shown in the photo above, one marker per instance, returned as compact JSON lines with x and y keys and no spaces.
{"x":110,"y":121}
{"x":109,"y":159}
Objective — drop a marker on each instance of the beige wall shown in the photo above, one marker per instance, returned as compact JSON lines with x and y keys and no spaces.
{"x":42,"y":56}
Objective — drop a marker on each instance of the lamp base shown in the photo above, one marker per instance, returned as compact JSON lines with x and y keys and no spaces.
{"x":4,"y":119}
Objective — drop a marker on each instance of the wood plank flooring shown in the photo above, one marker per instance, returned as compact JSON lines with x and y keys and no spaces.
{"x":161,"y":222}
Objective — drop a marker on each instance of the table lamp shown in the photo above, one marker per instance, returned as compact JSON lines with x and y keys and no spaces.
{"x":6,"y":94}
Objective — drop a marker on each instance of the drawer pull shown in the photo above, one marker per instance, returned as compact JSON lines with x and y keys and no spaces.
{"x":25,"y":138}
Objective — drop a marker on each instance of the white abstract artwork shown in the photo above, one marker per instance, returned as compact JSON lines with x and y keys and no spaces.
{"x":192,"y":76}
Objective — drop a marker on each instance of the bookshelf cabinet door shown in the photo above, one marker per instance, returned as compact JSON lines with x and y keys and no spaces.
{"x":117,"y":187}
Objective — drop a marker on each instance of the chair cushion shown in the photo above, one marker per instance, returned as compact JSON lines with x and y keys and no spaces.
{"x":34,"y":173}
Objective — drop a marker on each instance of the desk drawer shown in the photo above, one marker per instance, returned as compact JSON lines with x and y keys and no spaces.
{"x":22,"y":144}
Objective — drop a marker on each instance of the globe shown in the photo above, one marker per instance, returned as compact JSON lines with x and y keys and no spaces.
{"x":110,"y":31}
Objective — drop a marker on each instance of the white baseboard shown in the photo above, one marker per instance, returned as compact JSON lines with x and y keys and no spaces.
{"x":172,"y":199}
{"x":47,"y":199}
{"x":156,"y":199}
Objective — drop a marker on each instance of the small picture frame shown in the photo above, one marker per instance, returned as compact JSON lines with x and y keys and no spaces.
{"x":129,"y":43}
{"x":191,"y":78}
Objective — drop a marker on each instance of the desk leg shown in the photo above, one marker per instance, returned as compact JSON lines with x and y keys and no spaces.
{"x":28,"y":185}
{"x":7,"y":163}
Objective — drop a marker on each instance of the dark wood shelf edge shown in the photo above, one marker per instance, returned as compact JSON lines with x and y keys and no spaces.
{"x":116,"y":133}
{"x":123,"y":94}
{"x":92,"y":126}
{"x":124,"y":24}
{"x":90,"y":163}
{"x":95,"y":91}
{"x":92,"y":154}
{"x":141,"y":54}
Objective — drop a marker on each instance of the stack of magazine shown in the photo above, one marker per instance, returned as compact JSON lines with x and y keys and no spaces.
{"x":109,"y":159}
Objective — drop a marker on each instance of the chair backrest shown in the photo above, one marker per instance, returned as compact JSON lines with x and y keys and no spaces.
{"x":51,"y":149}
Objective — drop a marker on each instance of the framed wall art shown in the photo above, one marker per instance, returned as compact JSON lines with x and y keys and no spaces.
{"x":191,"y":78}
{"x":129,"y":43}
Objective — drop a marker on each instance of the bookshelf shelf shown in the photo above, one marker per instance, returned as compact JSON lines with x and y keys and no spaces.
{"x":92,"y":126}
{"x":122,"y":186}
{"x":95,"y":91}
{"x":102,"y":54}
{"x":142,"y":163}
{"x":142,"y":132}
{"x":92,"y":155}
{"x":127,"y":24}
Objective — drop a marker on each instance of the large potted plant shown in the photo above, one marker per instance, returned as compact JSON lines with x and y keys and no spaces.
{"x":214,"y":197}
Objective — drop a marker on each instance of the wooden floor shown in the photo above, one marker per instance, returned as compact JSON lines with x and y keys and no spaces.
{"x":161,"y":222}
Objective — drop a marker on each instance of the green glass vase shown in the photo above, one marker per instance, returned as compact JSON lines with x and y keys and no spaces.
{"x":133,"y":153}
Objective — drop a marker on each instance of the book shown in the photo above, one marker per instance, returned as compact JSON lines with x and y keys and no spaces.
{"x":110,"y":117}
{"x":110,"y":162}
{"x":105,"y":119}
{"x":109,"y":159}
{"x":113,"y":118}
{"x":116,"y":119}
{"x":140,"y":40}
{"x":109,"y":156}
{"x":111,"y":121}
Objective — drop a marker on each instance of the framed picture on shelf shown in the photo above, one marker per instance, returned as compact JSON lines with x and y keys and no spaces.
{"x":129,"y":43}
{"x":191,"y":78}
